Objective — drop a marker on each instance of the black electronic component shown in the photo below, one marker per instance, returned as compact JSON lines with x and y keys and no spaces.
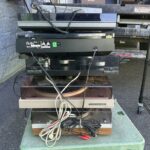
{"x":70,"y":44}
{"x":65,"y":67}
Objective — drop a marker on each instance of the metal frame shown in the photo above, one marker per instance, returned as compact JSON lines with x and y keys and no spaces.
{"x":141,"y":98}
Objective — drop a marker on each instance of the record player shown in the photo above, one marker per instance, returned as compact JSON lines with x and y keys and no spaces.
{"x":38,"y":93}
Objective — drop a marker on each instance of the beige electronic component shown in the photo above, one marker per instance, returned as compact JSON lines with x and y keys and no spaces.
{"x":91,"y":102}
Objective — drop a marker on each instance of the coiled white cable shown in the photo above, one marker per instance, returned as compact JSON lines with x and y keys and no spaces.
{"x":52,"y":132}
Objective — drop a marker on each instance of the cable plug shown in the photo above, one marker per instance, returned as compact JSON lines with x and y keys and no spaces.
{"x":85,"y":137}
{"x":92,"y":126}
{"x":70,"y":122}
{"x":95,"y":49}
{"x":51,"y":136}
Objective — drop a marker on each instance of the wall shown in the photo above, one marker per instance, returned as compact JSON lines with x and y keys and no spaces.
{"x":9,"y":62}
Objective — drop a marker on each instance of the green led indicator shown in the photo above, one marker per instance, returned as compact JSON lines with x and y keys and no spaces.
{"x":54,"y":44}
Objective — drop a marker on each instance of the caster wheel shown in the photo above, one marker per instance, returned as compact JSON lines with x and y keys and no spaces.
{"x":140,"y":110}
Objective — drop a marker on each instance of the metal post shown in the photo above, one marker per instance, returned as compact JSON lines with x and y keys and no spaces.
{"x":140,"y":103}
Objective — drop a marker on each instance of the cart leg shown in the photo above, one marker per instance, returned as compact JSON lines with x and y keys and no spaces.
{"x":140,"y":103}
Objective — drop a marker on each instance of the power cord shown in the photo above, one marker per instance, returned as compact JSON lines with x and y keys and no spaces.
{"x":49,"y":21}
{"x":46,"y":73}
{"x":26,"y":5}
{"x":90,"y":125}
{"x":54,"y":6}
{"x":19,"y":76}
{"x":50,"y":78}
{"x":67,"y":87}
{"x":39,"y":9}
{"x":52,"y":132}
{"x":88,"y":73}
{"x":73,"y":15}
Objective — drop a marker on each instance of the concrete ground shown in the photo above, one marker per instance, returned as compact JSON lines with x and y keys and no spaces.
{"x":126,"y":90}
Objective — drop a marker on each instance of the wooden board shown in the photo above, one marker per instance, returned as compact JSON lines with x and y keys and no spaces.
{"x":77,"y":131}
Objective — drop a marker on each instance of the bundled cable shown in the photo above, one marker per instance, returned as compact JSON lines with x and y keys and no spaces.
{"x":91,"y":126}
{"x":52,"y":133}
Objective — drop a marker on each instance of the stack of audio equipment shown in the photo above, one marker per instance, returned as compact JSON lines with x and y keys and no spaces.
{"x":93,"y":101}
{"x":68,"y":60}
{"x":69,"y":50}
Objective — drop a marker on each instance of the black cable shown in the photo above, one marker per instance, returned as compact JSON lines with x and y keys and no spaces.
{"x":54,"y":6}
{"x":26,"y":5}
{"x":27,"y":112}
{"x":73,"y":15}
{"x":65,"y":9}
{"x":88,"y":73}
{"x":49,"y":21}
{"x":47,"y":74}
{"x":14,"y":83}
{"x":91,"y":125}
